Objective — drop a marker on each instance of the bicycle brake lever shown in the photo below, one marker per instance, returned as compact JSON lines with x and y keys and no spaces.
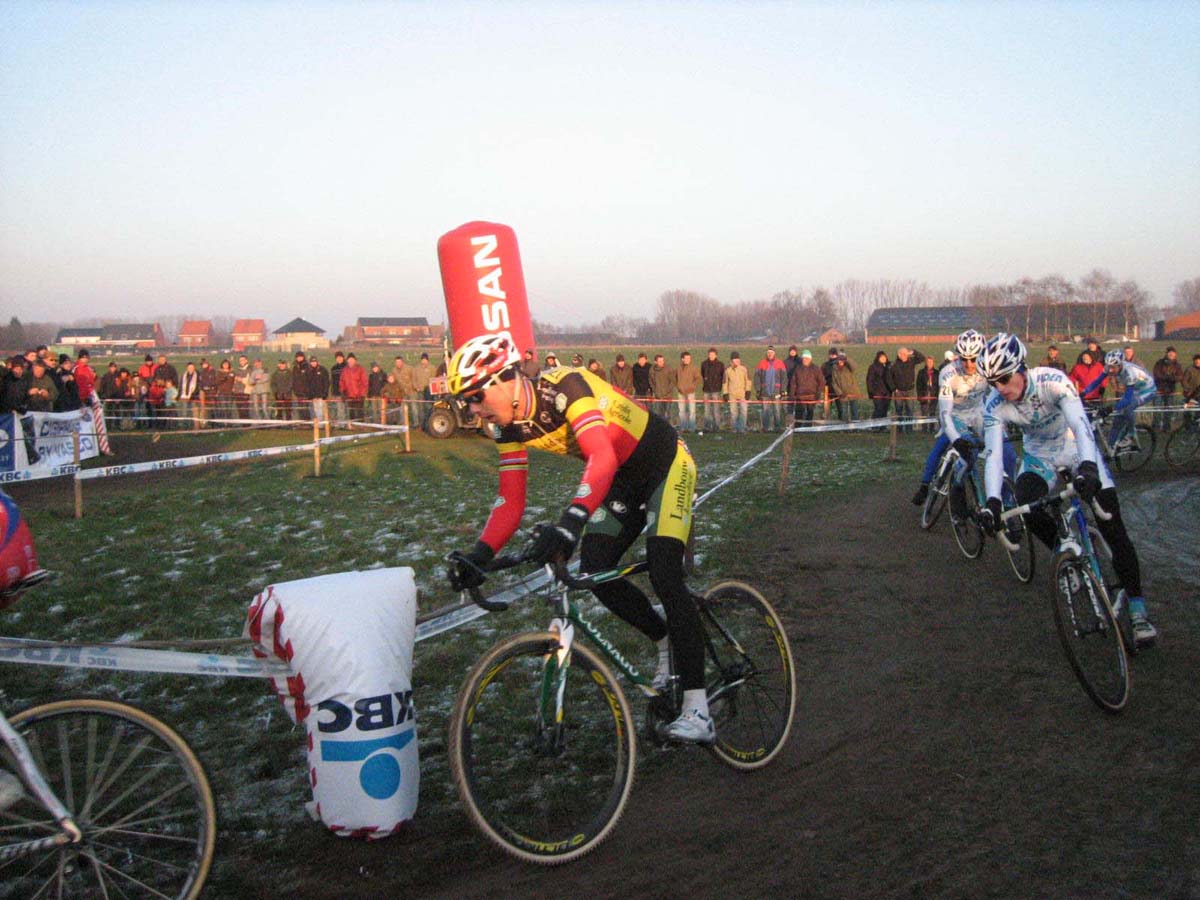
{"x":484,"y":603}
{"x":1099,"y":511}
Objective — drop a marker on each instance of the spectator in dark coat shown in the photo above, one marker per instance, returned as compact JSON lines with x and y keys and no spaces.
{"x":621,"y":375}
{"x":317,"y":382}
{"x":712,"y":377}
{"x":879,"y":385}
{"x":1167,"y":375}
{"x":927,"y":391}
{"x":641,"y":377}
{"x":282,"y":385}
{"x":68,"y":390}
{"x":1054,"y":360}
{"x":828,"y":365}
{"x":14,"y":394}
{"x":904,"y":382}
{"x":807,"y":389}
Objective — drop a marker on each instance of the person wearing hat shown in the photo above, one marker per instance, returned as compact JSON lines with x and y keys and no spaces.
{"x":14,"y":392}
{"x":68,"y":391}
{"x":620,"y":375}
{"x":843,"y":385}
{"x":577,"y":361}
{"x":736,"y":386}
{"x":1190,"y":382}
{"x":807,"y":389}
{"x":551,"y":360}
{"x":529,"y":366}
{"x":827,"y":366}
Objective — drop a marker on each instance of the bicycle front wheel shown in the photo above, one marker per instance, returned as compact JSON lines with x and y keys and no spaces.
{"x":1182,"y":444}
{"x":750,"y":675}
{"x":964,"y":517}
{"x":544,"y":788}
{"x":1022,"y":559}
{"x":1132,"y":460}
{"x":1089,"y":633}
{"x":136,"y":791}
{"x":935,"y":500}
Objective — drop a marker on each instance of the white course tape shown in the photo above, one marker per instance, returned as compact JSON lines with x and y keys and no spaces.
{"x":115,"y":658}
{"x":31,"y":475}
{"x":864,"y":425}
{"x":208,"y":459}
{"x":740,"y":470}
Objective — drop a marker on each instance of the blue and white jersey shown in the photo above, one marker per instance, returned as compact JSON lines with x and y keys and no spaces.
{"x":1051,"y":417}
{"x":1134,"y":377}
{"x":960,"y":401}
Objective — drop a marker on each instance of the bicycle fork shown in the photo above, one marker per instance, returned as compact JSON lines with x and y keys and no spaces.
{"x":32,"y":777}
{"x":551,"y":726}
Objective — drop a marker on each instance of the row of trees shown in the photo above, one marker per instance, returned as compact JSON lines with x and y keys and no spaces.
{"x":1040,"y":308}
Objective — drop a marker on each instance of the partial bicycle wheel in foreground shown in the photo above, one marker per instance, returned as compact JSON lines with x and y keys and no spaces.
{"x":136,"y":791}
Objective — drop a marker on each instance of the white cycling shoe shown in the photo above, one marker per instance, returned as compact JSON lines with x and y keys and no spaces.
{"x":11,"y":789}
{"x":693,"y":727}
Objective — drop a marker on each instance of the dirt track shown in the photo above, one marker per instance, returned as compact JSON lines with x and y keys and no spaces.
{"x":942,"y":749}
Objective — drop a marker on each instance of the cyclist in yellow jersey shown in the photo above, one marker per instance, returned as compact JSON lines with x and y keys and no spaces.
{"x":638,"y":475}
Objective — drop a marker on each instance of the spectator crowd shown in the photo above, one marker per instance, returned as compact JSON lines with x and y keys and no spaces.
{"x":715,"y":394}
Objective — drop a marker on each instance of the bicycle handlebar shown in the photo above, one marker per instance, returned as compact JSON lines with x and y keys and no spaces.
{"x":1065,"y":494}
{"x":501,"y":563}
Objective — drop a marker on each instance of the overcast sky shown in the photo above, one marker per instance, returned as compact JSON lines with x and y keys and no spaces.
{"x":280,"y":159}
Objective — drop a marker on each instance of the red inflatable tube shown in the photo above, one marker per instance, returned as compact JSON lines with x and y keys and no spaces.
{"x":484,"y":284}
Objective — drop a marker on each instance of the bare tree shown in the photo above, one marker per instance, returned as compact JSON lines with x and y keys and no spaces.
{"x":1186,"y":296}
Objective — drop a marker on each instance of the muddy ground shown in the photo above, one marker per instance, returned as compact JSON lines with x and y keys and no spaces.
{"x":942,"y":747}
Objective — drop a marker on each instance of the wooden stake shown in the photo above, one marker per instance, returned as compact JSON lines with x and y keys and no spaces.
{"x":78,"y":482}
{"x":316,"y":449}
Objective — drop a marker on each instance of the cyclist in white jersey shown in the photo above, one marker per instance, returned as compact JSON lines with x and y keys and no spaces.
{"x":961,"y":392}
{"x":1044,"y":404}
{"x":1137,"y":387}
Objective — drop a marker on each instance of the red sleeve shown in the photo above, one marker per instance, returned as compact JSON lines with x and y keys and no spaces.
{"x":591,"y":433}
{"x":506,"y":514}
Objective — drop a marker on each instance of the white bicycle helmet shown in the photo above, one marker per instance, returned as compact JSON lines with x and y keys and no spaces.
{"x":969,"y":344}
{"x":1114,"y":358}
{"x":480,"y":362}
{"x":1002,"y":355}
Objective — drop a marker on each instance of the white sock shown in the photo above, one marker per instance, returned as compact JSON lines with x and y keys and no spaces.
{"x":664,"y":655}
{"x":696,"y":700}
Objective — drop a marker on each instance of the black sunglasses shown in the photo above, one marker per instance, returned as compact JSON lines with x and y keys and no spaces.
{"x":473,"y":397}
{"x":1003,"y":379}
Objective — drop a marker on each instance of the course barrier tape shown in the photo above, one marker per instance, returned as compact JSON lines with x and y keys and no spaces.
{"x":115,"y":658}
{"x":32,"y":475}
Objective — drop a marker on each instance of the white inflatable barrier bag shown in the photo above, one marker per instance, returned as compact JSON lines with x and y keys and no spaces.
{"x":348,"y":639}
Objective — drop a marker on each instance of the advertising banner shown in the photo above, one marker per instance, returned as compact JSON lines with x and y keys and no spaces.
{"x":39,"y":444}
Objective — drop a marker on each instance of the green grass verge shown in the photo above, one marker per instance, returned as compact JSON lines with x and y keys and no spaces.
{"x":180,"y":554}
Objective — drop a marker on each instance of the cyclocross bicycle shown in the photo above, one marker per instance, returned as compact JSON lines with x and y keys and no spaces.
{"x":954,"y":472}
{"x":542,"y":741}
{"x":1130,"y":457}
{"x":1095,"y":635}
{"x":1183,"y":444}
{"x":99,"y":799}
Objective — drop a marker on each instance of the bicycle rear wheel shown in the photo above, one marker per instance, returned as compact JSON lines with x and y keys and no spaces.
{"x":1132,"y":460}
{"x":136,"y":791}
{"x":544,"y":791}
{"x":1022,"y":560}
{"x":1089,"y":633}
{"x":750,"y":675}
{"x":935,"y":500}
{"x":1182,"y":444}
{"x":964,"y":517}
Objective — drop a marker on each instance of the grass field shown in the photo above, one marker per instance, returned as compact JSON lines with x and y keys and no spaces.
{"x":179,"y":555}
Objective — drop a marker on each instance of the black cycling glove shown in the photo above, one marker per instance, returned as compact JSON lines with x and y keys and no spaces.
{"x":989,"y":516}
{"x":556,"y":543}
{"x":465,"y":569}
{"x":1087,"y":480}
{"x":964,"y":448}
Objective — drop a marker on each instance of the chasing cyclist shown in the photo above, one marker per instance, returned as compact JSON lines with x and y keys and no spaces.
{"x":1045,"y":405}
{"x":961,"y":392}
{"x":637,"y":473}
{"x":1139,"y":389}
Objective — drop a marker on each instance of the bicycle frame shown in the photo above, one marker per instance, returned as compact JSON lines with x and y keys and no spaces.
{"x":32,"y":777}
